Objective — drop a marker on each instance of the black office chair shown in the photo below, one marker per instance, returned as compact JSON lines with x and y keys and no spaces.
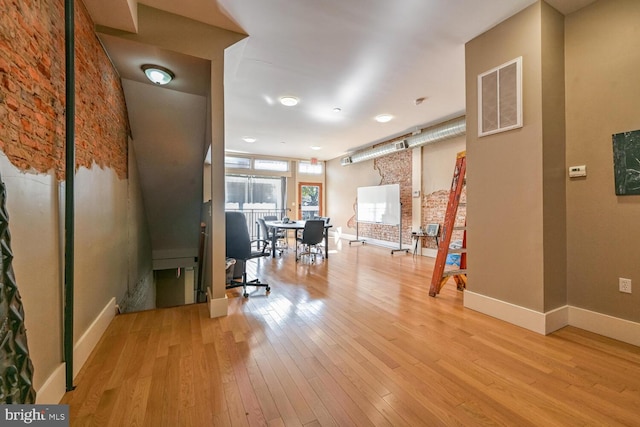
{"x":312,"y":236}
{"x":240,"y":248}
{"x":267,"y":234}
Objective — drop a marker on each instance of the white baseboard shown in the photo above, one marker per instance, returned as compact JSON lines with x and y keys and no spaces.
{"x":542,"y":323}
{"x":217,"y":307}
{"x":603,"y":324}
{"x":546,"y":323}
{"x":88,"y":341}
{"x":520,"y":316}
{"x":376,"y":242}
{"x":54,"y":387}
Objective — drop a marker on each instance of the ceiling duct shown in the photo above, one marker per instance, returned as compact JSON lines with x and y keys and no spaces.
{"x":441,"y":132}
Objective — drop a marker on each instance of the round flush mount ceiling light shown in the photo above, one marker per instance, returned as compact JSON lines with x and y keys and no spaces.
{"x":249,"y":139}
{"x":337,"y":110}
{"x":383,"y":118}
{"x":157,"y":74}
{"x":289,"y":101}
{"x":316,"y":147}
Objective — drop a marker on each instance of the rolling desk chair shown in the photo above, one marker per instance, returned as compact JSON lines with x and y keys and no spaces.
{"x":268,"y":235}
{"x":312,"y":237}
{"x":239,"y":247}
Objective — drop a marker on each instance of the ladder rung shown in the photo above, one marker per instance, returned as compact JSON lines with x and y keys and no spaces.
{"x":458,"y":251}
{"x":454,"y":273}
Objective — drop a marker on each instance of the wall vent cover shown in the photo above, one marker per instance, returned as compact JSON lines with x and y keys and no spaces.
{"x":500,"y":98}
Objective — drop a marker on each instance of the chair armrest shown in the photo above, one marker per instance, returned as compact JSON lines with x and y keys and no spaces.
{"x":265,"y":244}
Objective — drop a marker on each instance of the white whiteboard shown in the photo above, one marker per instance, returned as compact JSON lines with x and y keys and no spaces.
{"x":379,"y":204}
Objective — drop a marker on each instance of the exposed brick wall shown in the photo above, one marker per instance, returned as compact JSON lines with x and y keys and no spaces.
{"x":434,"y":208}
{"x":394,"y":169}
{"x":32,"y":85}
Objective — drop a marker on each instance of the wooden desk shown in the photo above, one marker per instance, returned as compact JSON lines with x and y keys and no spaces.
{"x":294,"y":225}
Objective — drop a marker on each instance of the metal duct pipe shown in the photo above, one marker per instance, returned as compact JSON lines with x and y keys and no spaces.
{"x":446,"y":130}
{"x":440,"y":132}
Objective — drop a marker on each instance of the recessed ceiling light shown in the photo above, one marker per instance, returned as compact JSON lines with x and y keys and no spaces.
{"x":289,"y":101}
{"x":383,"y":118}
{"x":157,"y":74}
{"x":337,"y":110}
{"x":249,"y":139}
{"x":316,"y":147}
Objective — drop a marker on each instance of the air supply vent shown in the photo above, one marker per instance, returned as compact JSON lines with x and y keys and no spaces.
{"x":500,"y":98}
{"x":400,"y":145}
{"x":345,"y":161}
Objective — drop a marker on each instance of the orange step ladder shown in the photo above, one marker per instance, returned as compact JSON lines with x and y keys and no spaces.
{"x":440,"y":276}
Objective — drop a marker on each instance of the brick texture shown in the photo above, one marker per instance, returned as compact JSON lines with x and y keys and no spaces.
{"x":434,"y":208}
{"x":32,"y":91}
{"x":394,"y":169}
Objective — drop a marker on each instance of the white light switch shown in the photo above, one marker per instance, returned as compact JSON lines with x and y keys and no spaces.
{"x":577,"y":171}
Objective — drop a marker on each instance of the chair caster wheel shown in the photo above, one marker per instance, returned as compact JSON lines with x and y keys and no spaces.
{"x":246,"y":295}
{"x":268,"y":289}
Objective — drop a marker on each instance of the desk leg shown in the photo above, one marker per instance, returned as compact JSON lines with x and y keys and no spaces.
{"x":274,"y":239}
{"x":326,"y":243}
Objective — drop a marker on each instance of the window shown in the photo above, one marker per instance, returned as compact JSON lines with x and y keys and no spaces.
{"x":251,"y":192}
{"x":309,"y":168}
{"x":271,"y":165}
{"x":237,"y":162}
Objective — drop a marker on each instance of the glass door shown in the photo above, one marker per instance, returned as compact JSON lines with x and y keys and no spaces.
{"x":309,"y":200}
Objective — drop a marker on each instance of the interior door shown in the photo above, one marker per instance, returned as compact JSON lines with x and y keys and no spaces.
{"x":309,"y":200}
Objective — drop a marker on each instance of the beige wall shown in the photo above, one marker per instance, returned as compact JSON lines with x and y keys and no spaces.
{"x":438,"y":162}
{"x":34,"y":224}
{"x":105,"y":237}
{"x":341,"y":188}
{"x":603,"y":98}
{"x":505,"y":173}
{"x":553,"y":159}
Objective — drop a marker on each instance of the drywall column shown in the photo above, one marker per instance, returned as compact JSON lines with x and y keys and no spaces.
{"x":515,"y":190}
{"x":416,"y":183}
{"x":218,"y":301}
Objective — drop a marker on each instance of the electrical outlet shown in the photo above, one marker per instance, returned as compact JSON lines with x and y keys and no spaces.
{"x":624,"y":285}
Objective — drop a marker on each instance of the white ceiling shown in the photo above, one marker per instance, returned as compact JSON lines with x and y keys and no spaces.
{"x":364,"y":56}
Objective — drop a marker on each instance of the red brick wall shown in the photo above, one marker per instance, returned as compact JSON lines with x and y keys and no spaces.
{"x":32,"y":85}
{"x":394,"y":169}
{"x":434,"y":207}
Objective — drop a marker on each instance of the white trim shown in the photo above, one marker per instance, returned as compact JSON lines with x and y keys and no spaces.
{"x":54,"y":387}
{"x":52,"y":390}
{"x":556,"y":319}
{"x":520,"y":316}
{"x":217,"y":307}
{"x":88,"y":341}
{"x":542,"y":323}
{"x":603,"y":324}
{"x":368,"y":240}
{"x":546,"y":323}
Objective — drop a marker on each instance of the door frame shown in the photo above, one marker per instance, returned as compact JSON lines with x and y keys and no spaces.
{"x":320,"y":197}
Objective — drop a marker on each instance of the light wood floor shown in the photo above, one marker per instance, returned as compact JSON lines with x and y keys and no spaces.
{"x":352,"y":341}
